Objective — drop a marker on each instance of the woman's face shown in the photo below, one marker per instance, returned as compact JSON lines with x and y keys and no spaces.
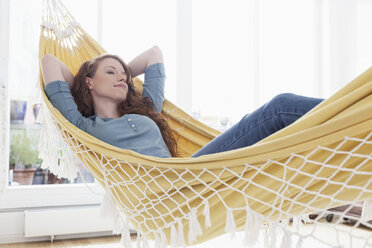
{"x":109,"y":81}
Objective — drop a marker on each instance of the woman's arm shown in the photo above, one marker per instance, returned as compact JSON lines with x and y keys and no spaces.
{"x":141,"y":62}
{"x":59,"y":92}
{"x":53,"y":69}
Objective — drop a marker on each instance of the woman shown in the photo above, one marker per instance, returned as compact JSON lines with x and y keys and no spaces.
{"x":101,"y":101}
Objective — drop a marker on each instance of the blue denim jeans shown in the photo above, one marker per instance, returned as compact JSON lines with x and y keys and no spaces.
{"x":278,"y":113}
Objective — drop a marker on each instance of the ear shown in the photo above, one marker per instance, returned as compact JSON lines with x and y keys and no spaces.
{"x":88,"y":81}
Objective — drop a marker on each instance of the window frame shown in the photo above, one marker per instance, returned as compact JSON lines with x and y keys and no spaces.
{"x":22,"y":197}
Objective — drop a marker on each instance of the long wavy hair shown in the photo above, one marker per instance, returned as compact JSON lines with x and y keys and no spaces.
{"x":135,"y":103}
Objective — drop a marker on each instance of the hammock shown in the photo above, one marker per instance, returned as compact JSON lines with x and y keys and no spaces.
{"x":321,"y":161}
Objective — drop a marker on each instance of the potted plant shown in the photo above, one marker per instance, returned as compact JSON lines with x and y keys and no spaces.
{"x":23,"y":157}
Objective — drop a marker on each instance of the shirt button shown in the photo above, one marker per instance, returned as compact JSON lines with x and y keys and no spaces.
{"x":129,"y":119}
{"x":133,"y":125}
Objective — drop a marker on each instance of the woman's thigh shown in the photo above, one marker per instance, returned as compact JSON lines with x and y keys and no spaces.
{"x":280,"y":112}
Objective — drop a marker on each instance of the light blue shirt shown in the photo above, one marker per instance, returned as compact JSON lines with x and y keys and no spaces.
{"x":131,"y":131}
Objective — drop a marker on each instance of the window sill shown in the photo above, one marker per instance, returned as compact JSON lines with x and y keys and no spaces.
{"x":17,"y":197}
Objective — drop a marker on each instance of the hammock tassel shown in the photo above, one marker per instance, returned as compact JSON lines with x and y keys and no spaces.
{"x":142,"y":240}
{"x":180,"y":236}
{"x":108,"y":208}
{"x":230,"y":223}
{"x":139,"y":241}
{"x":287,"y":239}
{"x":206,"y":214}
{"x":146,"y":242}
{"x":173,"y":236}
{"x":273,"y":232}
{"x":248,"y":228}
{"x":157,"y":240}
{"x":125,"y":234}
{"x":257,"y":225}
{"x":252,"y":228}
{"x":194,"y":226}
{"x":266,"y":236}
{"x":367,"y":210}
{"x":55,"y":153}
{"x":163,"y":239}
{"x":296,"y":222}
{"x":299,"y":243}
{"x":118,"y":224}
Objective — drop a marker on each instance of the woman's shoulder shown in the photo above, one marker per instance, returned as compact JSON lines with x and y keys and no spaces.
{"x":155,"y":70}
{"x":56,"y":86}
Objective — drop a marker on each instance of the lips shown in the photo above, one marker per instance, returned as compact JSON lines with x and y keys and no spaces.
{"x":120,"y":86}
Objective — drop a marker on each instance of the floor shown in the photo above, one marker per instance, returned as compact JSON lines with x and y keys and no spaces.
{"x":102,"y":242}
{"x":331,"y":236}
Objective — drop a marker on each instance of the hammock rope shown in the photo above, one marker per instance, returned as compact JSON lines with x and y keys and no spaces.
{"x":322,"y":161}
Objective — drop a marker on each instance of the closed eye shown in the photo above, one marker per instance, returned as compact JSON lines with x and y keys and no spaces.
{"x":110,"y":72}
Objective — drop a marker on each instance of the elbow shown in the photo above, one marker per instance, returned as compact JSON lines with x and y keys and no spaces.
{"x":48,"y":58}
{"x":45,"y":64}
{"x":156,"y":48}
{"x":50,"y":69}
{"x":156,"y":54}
{"x":46,"y":61}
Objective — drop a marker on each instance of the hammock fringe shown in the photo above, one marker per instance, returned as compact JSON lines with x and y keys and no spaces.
{"x":287,"y":238}
{"x":180,"y":237}
{"x":125,"y":234}
{"x":174,"y":238}
{"x":194,"y":226}
{"x":230,"y":226}
{"x":207,"y":214}
{"x":251,"y":234}
{"x":300,"y":243}
{"x":163,"y":239}
{"x":56,"y":154}
{"x":252,"y":228}
{"x":367,"y":211}
{"x":108,"y":208}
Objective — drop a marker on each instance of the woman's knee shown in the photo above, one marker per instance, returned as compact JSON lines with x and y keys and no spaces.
{"x":283,"y":99}
{"x":296,"y":103}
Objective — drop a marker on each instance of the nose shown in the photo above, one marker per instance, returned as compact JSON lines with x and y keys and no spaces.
{"x":122,"y":78}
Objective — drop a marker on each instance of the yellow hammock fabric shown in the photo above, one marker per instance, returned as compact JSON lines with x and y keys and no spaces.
{"x":321,"y":161}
